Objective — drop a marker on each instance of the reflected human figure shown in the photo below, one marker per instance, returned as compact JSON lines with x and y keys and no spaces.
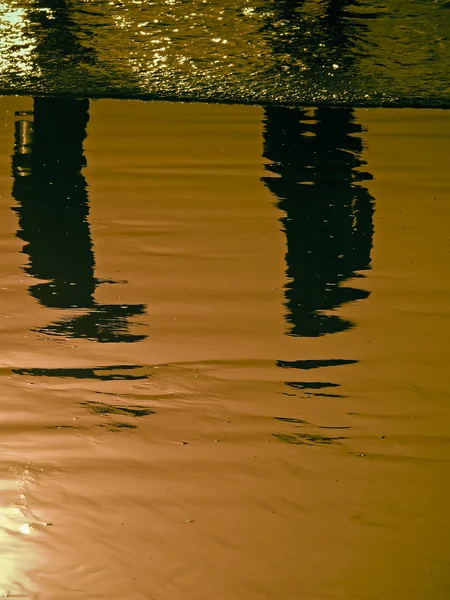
{"x":328,"y":213}
{"x":53,"y":210}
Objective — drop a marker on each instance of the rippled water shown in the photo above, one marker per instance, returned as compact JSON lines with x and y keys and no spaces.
{"x":224,"y":329}
{"x":224,"y":351}
{"x":276,"y":51}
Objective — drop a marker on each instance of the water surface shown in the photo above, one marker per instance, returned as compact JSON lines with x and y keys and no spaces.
{"x":223,"y":368}
{"x":305,"y":52}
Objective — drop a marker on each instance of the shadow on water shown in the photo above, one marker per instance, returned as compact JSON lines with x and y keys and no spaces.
{"x":53,"y":211}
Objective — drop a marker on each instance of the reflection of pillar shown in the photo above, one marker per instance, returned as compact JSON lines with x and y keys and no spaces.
{"x":328,"y":216}
{"x":53,"y":209}
{"x":53,"y":202}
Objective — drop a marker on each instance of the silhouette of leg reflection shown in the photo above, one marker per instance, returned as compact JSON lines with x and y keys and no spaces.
{"x":53,"y":210}
{"x":328,"y":214}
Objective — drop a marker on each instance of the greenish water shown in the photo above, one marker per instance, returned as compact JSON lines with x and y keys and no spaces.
{"x":257,"y":51}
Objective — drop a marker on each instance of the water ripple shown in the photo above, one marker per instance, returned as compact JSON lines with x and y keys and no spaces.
{"x":249,"y":51}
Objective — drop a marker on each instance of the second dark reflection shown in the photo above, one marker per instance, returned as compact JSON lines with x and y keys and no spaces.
{"x":315,"y":164}
{"x":53,"y":209}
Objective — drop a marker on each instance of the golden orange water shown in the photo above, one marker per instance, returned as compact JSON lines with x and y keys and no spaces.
{"x":205,"y":452}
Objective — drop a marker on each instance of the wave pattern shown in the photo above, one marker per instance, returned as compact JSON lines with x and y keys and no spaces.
{"x":247,"y":51}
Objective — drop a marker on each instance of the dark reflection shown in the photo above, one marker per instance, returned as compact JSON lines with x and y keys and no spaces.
{"x":315,"y":171}
{"x":317,"y":177}
{"x":106,"y":412}
{"x":311,"y":385}
{"x":53,"y":210}
{"x":309,"y":388}
{"x":306,"y":365}
{"x":316,"y":161}
{"x":107,"y":323}
{"x":101,"y":408}
{"x":53,"y":205}
{"x":315,"y":166}
{"x":300,"y":422}
{"x":109,"y":373}
{"x":309,"y":439}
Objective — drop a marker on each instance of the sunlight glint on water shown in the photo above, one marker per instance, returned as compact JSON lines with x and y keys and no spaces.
{"x":281,"y":51}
